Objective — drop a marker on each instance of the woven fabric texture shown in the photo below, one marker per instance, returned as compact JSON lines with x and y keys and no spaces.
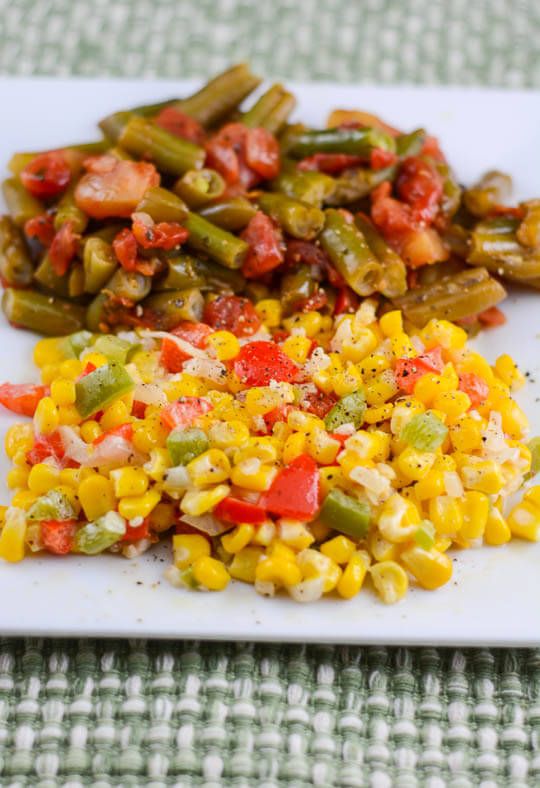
{"x":134,"y":713}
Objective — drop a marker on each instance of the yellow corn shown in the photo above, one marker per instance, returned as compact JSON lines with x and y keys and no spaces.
{"x":71,"y":368}
{"x":347,"y":381}
{"x":238,"y":538}
{"x":295,"y":445}
{"x":90,"y":430}
{"x":295,"y":534}
{"x":466,"y":434}
{"x":483,"y":475}
{"x":19,"y":437}
{"x":96,"y":495}
{"x":185,"y":386}
{"x":148,"y":434}
{"x":390,"y":581}
{"x":12,"y":537}
{"x":340,"y":549}
{"x":211,"y":573}
{"x":115,"y":415}
{"x":42,"y":477}
{"x":269,"y":311}
{"x":372,"y":365}
{"x":403,"y":412}
{"x":453,"y":403}
{"x":323,"y":448}
{"x":414,"y":464}
{"x":276,"y":570}
{"x":49,"y":373}
{"x":524,"y":521}
{"x":506,"y":368}
{"x":442,"y":332}
{"x":49,"y":351}
{"x":23,"y":499}
{"x":68,"y":415}
{"x":533,"y":495}
{"x":63,"y":391}
{"x":320,"y":531}
{"x":162,"y":516}
{"x":297,"y":348}
{"x":129,"y":481}
{"x":253,"y":475}
{"x":329,"y":477}
{"x":391,"y":323}
{"x":265,"y":534}
{"x":431,"y":485}
{"x":475,"y":514}
{"x":72,"y":477}
{"x":244,"y":564}
{"x":97,"y":359}
{"x":352,"y":579}
{"x":314,"y":564}
{"x":139,"y":505}
{"x":261,"y":400}
{"x":497,"y":531}
{"x":363,"y":342}
{"x":210,"y":467}
{"x":197,"y":502}
{"x":398,"y":519}
{"x":46,"y":417}
{"x":263,"y":448}
{"x":446,"y":514}
{"x":225,"y":345}
{"x":429,"y":567}
{"x":226,"y":434}
{"x":17,"y":477}
{"x":381,"y":413}
{"x":158,"y":464}
{"x":381,"y":388}
{"x":188,"y":548}
{"x":310,"y":322}
{"x":514,"y":421}
{"x":401,"y":346}
{"x":380,"y":548}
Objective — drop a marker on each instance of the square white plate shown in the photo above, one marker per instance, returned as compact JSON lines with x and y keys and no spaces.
{"x":494,"y":595}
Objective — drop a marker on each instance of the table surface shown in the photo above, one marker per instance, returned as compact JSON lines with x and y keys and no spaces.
{"x":129,"y":713}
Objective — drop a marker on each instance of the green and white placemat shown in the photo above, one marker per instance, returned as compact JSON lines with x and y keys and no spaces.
{"x":95,"y":713}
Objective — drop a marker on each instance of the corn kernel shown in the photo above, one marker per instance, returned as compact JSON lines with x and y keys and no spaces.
{"x":431,"y":387}
{"x":340,"y":549}
{"x":398,"y":519}
{"x":453,"y":403}
{"x":158,"y":464}
{"x":430,"y":568}
{"x":506,"y":368}
{"x":275,"y":570}
{"x":129,"y":481}
{"x":269,"y":311}
{"x":431,"y":485}
{"x":363,"y":342}
{"x":68,"y":415}
{"x":139,"y":505}
{"x":12,"y":538}
{"x":238,"y":538}
{"x":262,"y":399}
{"x":185,"y":386}
{"x":330,"y":477}
{"x":17,"y":477}
{"x":225,"y":345}
{"x":244,"y":564}
{"x":475,"y":514}
{"x":381,"y":388}
{"x":97,"y":359}
{"x":188,"y":548}
{"x":524,"y":521}
{"x":297,"y":348}
{"x":391,"y":323}
{"x":96,"y":495}
{"x":352,"y":579}
{"x":23,"y":499}
{"x":71,"y":369}
{"x":390,"y":581}
{"x":497,"y":531}
{"x":402,"y":346}
{"x":514,"y":421}
{"x":310,"y":322}
{"x":90,"y":430}
{"x":348,"y":381}
{"x":466,"y":434}
{"x":162,"y":517}
{"x":210,"y":467}
{"x":442,"y":332}
{"x":211,"y":573}
{"x":380,"y":548}
{"x":321,"y":447}
{"x":294,"y":534}
{"x":533,"y":495}
{"x":320,"y":531}
{"x":115,"y":415}
{"x":19,"y":437}
{"x":72,"y":477}
{"x":265,"y":534}
{"x":446,"y":514}
{"x":381,"y":413}
{"x":226,"y":434}
{"x":263,"y":448}
{"x":197,"y":502}
{"x":414,"y":464}
{"x":49,"y":351}
{"x":42,"y":477}
{"x":46,"y":417}
{"x":63,"y":391}
{"x":483,"y":475}
{"x":314,"y":564}
{"x":373,"y":365}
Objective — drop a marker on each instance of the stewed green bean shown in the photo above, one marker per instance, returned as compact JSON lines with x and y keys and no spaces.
{"x":16,"y":267}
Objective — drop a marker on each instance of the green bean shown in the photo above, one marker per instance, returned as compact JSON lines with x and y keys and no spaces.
{"x":96,"y":313}
{"x":223,"y":247}
{"x":108,"y":232}
{"x":296,"y":218}
{"x":456,"y":238}
{"x":357,"y":142}
{"x":199,"y":187}
{"x":494,"y":244}
{"x":19,"y":161}
{"x":232,"y":214}
{"x":452,"y":298}
{"x":296,"y":287}
{"x":493,"y":189}
{"x":170,"y":154}
{"x":451,"y":197}
{"x":216,"y":277}
{"x":99,"y":263}
{"x":113,"y":125}
{"x":220,"y":96}
{"x":313,"y":188}
{"x":42,"y":313}
{"x":277,"y":120}
{"x":16,"y":268}
{"x":429,"y":274}
{"x":410,"y":144}
{"x":528,"y":232}
{"x":271,"y":110}
{"x":20,"y":203}
{"x":69,"y":211}
{"x":182,"y":272}
{"x":163,"y":206}
{"x":76,"y":280}
{"x":350,"y":253}
{"x":129,"y":285}
{"x":356,"y":183}
{"x":393,"y":281}
{"x":164,"y":311}
{"x":46,"y":276}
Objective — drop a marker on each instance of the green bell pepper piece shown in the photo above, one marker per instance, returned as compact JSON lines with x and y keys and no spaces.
{"x":424,"y":432}
{"x":185,"y":445}
{"x":79,"y":341}
{"x":54,"y":505}
{"x":345,"y":514}
{"x":101,"y":387}
{"x":349,"y":410}
{"x":114,"y":348}
{"x":96,"y":537}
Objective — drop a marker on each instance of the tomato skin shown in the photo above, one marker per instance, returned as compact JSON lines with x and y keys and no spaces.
{"x":114,"y":188}
{"x":295,"y":490}
{"x":329,"y":163}
{"x":138,"y":409}
{"x":262,"y":153}
{"x":318,"y":403}
{"x":135,"y":532}
{"x":379,"y":159}
{"x":234,"y":510}
{"x":172,"y":357}
{"x":408,"y":371}
{"x":260,"y":362}
{"x":124,"y":431}
{"x":46,"y":446}
{"x":58,"y":535}
{"x":47,"y":175}
{"x":40,"y":227}
{"x":243,"y":155}
{"x":223,"y":158}
{"x":265,"y":246}
{"x":232,"y":313}
{"x":346,"y":301}
{"x":276,"y":415}
{"x":421,"y":187}
{"x":125,"y":249}
{"x":181,"y":125}
{"x":22,"y":398}
{"x":431,"y":148}
{"x":195,"y":333}
{"x":163,"y":235}
{"x":492,"y":317}
{"x":475,"y":387}
{"x":184,"y":412}
{"x":64,"y":247}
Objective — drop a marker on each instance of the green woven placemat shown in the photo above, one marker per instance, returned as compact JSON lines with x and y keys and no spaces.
{"x":134,"y":713}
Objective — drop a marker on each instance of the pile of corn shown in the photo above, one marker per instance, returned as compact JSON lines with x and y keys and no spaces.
{"x":421,"y":502}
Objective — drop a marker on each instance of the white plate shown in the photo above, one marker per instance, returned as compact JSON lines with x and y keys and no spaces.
{"x":493,"y":597}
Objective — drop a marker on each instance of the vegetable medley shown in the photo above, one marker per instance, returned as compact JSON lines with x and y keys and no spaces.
{"x":257,"y":342}
{"x":298,"y":453}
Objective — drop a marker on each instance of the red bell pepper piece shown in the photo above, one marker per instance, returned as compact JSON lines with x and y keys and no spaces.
{"x":475,"y":387}
{"x":295,"y":490}
{"x":22,"y":398}
{"x":408,"y":371}
{"x":46,"y":446}
{"x":124,"y":431}
{"x":184,"y":412}
{"x":172,"y":357}
{"x":57,"y":535}
{"x":260,"y":362}
{"x":136,"y":532}
{"x":233,"y":510}
{"x":265,"y":246}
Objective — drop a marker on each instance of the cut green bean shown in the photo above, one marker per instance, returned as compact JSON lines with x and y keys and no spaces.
{"x":410,"y":144}
{"x":20,"y":203}
{"x":182,"y":272}
{"x":222,"y":246}
{"x":296,"y":218}
{"x":170,"y":154}
{"x":271,"y":110}
{"x":164,"y":311}
{"x":42,"y":313}
{"x":163,"y":206}
{"x":356,"y":142}
{"x":393,"y":280}
{"x":99,"y":263}
{"x":356,"y":183}
{"x":16,"y":268}
{"x":76,"y":280}
{"x":217,"y":277}
{"x":232,"y":214}
{"x":494,"y":245}
{"x":69,"y":211}
{"x":129,"y":285}
{"x":296,"y":288}
{"x":46,"y":276}
{"x":19,"y":161}
{"x":276,"y":121}
{"x":350,"y":253}
{"x":199,"y":187}
{"x":493,"y":189}
{"x":313,"y":188}
{"x":220,"y":96}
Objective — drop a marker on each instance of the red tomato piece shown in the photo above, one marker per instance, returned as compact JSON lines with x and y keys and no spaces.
{"x":233,"y":510}
{"x":46,"y":446}
{"x":181,"y":125}
{"x":172,"y":357}
{"x":312,"y":304}
{"x":276,"y":415}
{"x":22,"y":398}
{"x":47,"y":175}
{"x":114,"y":189}
{"x":392,"y":217}
{"x":164,"y":235}
{"x":475,"y":387}
{"x":431,"y":148}
{"x":195,"y":333}
{"x":408,"y":371}
{"x":40,"y":227}
{"x":492,"y":317}
{"x":124,"y":431}
{"x":262,"y":153}
{"x":138,"y":409}
{"x":125,"y":249}
{"x":232,"y":313}
{"x":135,"y":532}
{"x":58,"y":535}
{"x":222,"y":158}
{"x":420,"y":186}
{"x":346,"y":301}
{"x":265,"y":246}
{"x":260,"y":362}
{"x":64,"y":247}
{"x":295,"y":490}
{"x":184,"y":412}
{"x":330,"y":163}
{"x":318,"y":403}
{"x":380,"y":158}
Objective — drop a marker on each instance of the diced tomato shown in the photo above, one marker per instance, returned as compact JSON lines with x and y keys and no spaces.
{"x":184,"y":412}
{"x":22,"y":398}
{"x":260,"y":362}
{"x":308,"y":253}
{"x":392,"y":217}
{"x":114,"y":189}
{"x":492,"y":317}
{"x":340,"y":437}
{"x":195,"y":333}
{"x":318,"y":403}
{"x":420,"y":186}
{"x":163,"y":235}
{"x":46,"y":446}
{"x":88,"y":368}
{"x":276,"y":415}
{"x":232,"y":313}
{"x":475,"y":387}
{"x":266,"y":246}
{"x":138,"y":409}
{"x":47,"y":175}
{"x":233,"y":510}
{"x":408,"y":371}
{"x":181,"y":125}
{"x":317,"y":301}
{"x":64,"y":247}
{"x":125,"y":249}
{"x":222,"y":157}
{"x":135,"y":532}
{"x":346,"y":301}
{"x":172,"y":357}
{"x":517,"y":211}
{"x":295,"y":490}
{"x":380,"y":158}
{"x":40,"y":227}
{"x":431,"y":148}
{"x":58,"y":535}
{"x":124,"y":431}
{"x":262,"y":153}
{"x":330,"y":163}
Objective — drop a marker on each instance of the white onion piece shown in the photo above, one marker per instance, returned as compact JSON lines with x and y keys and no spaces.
{"x":206,"y":368}
{"x":207,"y":523}
{"x":113,"y":450}
{"x":186,"y":347}
{"x":150,"y":394}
